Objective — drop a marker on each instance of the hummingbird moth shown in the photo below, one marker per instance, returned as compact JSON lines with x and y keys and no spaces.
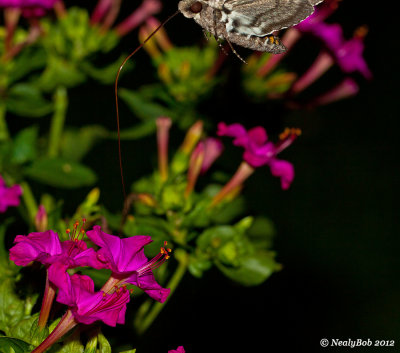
{"x":248,"y":23}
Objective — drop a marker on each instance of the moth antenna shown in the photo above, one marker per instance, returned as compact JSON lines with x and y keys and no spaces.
{"x":234,"y":52}
{"x":116,"y":95}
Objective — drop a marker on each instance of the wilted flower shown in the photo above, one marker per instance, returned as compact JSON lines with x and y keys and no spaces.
{"x":9,"y":196}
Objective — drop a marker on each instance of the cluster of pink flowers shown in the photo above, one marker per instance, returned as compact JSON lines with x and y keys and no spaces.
{"x":124,"y":257}
{"x":258,"y":152}
{"x":347,"y":54}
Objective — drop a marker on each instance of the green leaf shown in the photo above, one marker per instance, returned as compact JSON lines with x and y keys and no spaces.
{"x":3,"y":252}
{"x":72,"y":344}
{"x":14,"y":345}
{"x":27,"y":100}
{"x":261,"y":233}
{"x":28,"y":330}
{"x":11,"y":306}
{"x":199,"y":264}
{"x":215,"y":237}
{"x":107,"y":74}
{"x":24,"y":148}
{"x":252,"y":270}
{"x":138,"y":131}
{"x":59,"y":72}
{"x":130,"y":351}
{"x":61,"y":173}
{"x":104,"y":345}
{"x":33,"y":57}
{"x":144,"y":108}
{"x":228,"y":211}
{"x":77,"y":143}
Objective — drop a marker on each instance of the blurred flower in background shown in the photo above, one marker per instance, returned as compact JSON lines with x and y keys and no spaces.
{"x":263,"y":78}
{"x":9,"y":196}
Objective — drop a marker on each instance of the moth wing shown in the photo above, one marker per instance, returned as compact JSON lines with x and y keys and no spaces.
{"x":262,"y":17}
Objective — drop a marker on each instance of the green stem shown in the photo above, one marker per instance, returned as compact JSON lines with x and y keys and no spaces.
{"x":4,"y":135}
{"x":58,"y":120}
{"x":142,"y":324}
{"x":29,"y":200}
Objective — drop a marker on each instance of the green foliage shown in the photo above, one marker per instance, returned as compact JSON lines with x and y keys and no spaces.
{"x":69,"y":42}
{"x":14,"y":345}
{"x":260,"y":86}
{"x":61,"y":173}
{"x":27,"y":100}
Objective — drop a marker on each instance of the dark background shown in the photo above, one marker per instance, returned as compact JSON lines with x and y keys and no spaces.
{"x":337,"y":226}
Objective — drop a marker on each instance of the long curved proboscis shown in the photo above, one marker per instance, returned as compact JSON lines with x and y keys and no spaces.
{"x":116,"y":95}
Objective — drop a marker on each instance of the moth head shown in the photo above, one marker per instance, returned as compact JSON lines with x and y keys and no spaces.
{"x":190,"y":8}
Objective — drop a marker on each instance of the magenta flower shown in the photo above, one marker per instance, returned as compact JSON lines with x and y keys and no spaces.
{"x":9,"y":196}
{"x":350,"y":58}
{"x":212,"y":150}
{"x":201,"y":159}
{"x":88,"y":306}
{"x":128,"y":263}
{"x":347,"y":88}
{"x":46,"y":248}
{"x":143,"y":12}
{"x":258,"y":151}
{"x":180,"y":349}
{"x":85,"y":305}
{"x":347,"y":54}
{"x":30,"y":8}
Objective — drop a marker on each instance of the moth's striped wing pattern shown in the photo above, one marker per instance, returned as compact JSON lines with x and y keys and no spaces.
{"x":248,"y":23}
{"x":262,"y":17}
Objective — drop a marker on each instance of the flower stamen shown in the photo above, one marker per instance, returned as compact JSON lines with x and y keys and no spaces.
{"x":156,"y":261}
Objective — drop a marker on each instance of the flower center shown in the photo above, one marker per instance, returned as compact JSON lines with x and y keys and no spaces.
{"x":77,"y":232}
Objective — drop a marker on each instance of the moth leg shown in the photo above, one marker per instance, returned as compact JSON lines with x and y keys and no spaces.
{"x":234,"y":51}
{"x":221,"y":46}
{"x":206,"y":35}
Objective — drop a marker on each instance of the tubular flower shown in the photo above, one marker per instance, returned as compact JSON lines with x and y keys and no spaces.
{"x":85,"y":305}
{"x":46,"y":248}
{"x":128,"y":263}
{"x":9,"y":196}
{"x":258,"y":151}
{"x":212,"y":150}
{"x":77,"y":292}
